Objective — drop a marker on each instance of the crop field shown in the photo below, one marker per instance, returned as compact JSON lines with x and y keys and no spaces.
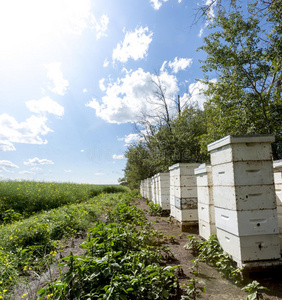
{"x":35,"y":216}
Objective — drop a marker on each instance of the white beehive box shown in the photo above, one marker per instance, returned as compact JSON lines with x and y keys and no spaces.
{"x":185,"y":180}
{"x":204,"y":184}
{"x":206,"y":213}
{"x":243,"y":173}
{"x":185,"y":192}
{"x":278,"y":192}
{"x":149,"y":191}
{"x":249,"y":248}
{"x":183,"y":168}
{"x":163,"y":184}
{"x":186,"y":215}
{"x":248,"y":197}
{"x":172,"y":210}
{"x":241,"y":148}
{"x":247,"y":223}
{"x":186,"y":203}
{"x":206,"y":229}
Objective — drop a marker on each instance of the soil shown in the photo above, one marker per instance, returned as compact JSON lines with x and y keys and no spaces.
{"x":217,"y":288}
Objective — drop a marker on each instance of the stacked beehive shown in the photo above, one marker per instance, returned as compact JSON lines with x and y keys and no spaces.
{"x":142,"y":188}
{"x":185,"y":193}
{"x":154,"y":189}
{"x":244,"y":197}
{"x":148,"y":189}
{"x":278,"y":190}
{"x":163,"y":190}
{"x":205,"y":201}
{"x":171,"y":193}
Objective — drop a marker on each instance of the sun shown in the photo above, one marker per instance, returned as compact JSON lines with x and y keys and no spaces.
{"x":32,"y":23}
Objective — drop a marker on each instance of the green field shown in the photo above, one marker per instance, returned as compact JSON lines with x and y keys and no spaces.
{"x":35,"y":216}
{"x":21,"y":199}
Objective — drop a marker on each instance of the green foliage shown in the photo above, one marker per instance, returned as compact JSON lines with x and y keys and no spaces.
{"x":19,"y":199}
{"x":120,"y":262}
{"x":29,"y":245}
{"x":254,"y":288}
{"x":211,"y":252}
{"x":195,"y":289}
{"x":174,"y":141}
{"x":155,"y":209}
{"x":246,"y":59}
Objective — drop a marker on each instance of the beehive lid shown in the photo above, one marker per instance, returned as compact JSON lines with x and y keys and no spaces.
{"x":203,"y":168}
{"x":236,"y":139}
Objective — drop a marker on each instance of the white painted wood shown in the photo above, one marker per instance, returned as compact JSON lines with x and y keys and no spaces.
{"x":248,"y":197}
{"x":205,"y":195}
{"x":277,"y":177}
{"x":206,"y":213}
{"x":235,"y":139}
{"x":185,"y":180}
{"x":247,"y":223}
{"x":249,"y":248}
{"x":241,"y":152}
{"x":206,"y":229}
{"x":184,"y":168}
{"x":172,"y":210}
{"x":243,"y":173}
{"x":185,"y":192}
{"x":186,"y":215}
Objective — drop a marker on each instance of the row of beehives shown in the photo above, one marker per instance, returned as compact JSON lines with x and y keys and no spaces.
{"x":233,"y":198}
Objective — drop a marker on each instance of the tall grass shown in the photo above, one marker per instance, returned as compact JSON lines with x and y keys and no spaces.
{"x":20,"y":199}
{"x":26,"y":245}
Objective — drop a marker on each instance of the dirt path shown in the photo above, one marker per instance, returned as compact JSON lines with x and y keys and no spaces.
{"x":217,"y":288}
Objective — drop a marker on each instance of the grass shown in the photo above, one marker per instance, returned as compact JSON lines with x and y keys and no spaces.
{"x":21,"y":199}
{"x":28,"y":242}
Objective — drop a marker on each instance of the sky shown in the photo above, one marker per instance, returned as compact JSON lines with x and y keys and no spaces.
{"x":76,"y":74}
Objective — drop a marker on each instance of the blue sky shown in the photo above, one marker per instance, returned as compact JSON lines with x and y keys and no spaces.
{"x":75,"y":75}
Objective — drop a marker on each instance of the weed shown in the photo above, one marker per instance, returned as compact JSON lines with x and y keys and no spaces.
{"x":195,"y":289}
{"x":155,"y":209}
{"x":254,"y":288}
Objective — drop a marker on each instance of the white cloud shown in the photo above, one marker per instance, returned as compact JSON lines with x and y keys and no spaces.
{"x":201,"y":32}
{"x":36,"y":161}
{"x":131,"y":138}
{"x":5,"y":145}
{"x":106,"y":63}
{"x":28,"y":132}
{"x":55,"y":74}
{"x":101,"y":26}
{"x":26,"y":172}
{"x":197,"y":96}
{"x":126,"y":98}
{"x":210,"y":4}
{"x":36,"y":169}
{"x":156,"y":4}
{"x":180,"y":64}
{"x":179,"y":1}
{"x":99,"y":174}
{"x":118,"y":156}
{"x":101,"y":84}
{"x":68,"y":171}
{"x":135,"y":45}
{"x":45,"y":104}
{"x":6,"y":164}
{"x":81,"y":150}
{"x":84,"y":90}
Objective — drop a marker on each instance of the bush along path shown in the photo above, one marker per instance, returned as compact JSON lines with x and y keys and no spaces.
{"x":124,"y":259}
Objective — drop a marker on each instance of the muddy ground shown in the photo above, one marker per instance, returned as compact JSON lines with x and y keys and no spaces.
{"x":217,"y":288}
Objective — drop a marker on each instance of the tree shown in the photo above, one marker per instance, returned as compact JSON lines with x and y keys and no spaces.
{"x":246,"y":58}
{"x":137,"y":166}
